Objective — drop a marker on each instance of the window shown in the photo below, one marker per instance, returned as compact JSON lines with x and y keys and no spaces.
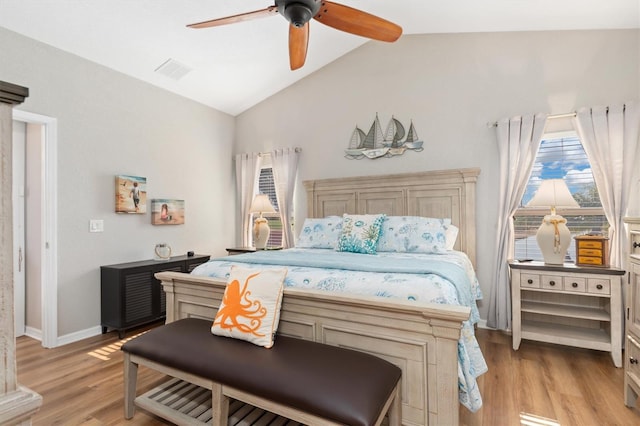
{"x":560,"y":156}
{"x":266,"y":185}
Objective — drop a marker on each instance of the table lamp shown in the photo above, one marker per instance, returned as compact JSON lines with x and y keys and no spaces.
{"x":553,"y":236}
{"x":261,"y":204}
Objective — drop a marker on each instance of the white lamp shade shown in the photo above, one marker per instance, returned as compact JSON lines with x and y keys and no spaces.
{"x":553,"y":193}
{"x":261,"y":204}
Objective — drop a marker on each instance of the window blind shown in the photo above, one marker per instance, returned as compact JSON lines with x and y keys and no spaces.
{"x":266,"y":185}
{"x":560,"y":158}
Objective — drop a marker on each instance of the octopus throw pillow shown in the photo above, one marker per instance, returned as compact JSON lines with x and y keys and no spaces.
{"x":250,"y":307}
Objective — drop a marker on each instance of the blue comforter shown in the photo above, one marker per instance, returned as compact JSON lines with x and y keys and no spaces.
{"x":434,"y":278}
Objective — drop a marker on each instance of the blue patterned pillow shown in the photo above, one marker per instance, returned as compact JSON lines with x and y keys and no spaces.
{"x":413,"y":234}
{"x":320,"y":233}
{"x":360,"y":233}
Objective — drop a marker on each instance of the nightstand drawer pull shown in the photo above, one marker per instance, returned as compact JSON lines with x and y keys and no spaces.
{"x":632,"y":360}
{"x":599,"y":286}
{"x":552,"y":283}
{"x":530,"y":281}
{"x":574,"y":285}
{"x":636,"y":244}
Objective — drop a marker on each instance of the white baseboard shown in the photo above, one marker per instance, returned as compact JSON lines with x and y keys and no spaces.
{"x":78,"y":335}
{"x":483,"y":324}
{"x":34,"y":333}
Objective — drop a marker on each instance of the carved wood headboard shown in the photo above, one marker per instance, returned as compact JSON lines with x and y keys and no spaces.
{"x":441,"y":194}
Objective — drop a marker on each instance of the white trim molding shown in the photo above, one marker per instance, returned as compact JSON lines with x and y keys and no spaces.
{"x":49,"y":243}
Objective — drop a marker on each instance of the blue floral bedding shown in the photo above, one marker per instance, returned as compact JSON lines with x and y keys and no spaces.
{"x":446,"y":278}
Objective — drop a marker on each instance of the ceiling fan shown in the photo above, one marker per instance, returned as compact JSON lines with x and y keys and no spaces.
{"x":300,"y":12}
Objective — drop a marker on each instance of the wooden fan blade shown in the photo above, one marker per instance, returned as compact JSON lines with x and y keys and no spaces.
{"x":354,"y":21}
{"x":298,"y":42}
{"x":272,"y":10}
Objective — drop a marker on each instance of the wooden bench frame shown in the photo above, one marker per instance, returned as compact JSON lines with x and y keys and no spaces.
{"x":220,"y":396}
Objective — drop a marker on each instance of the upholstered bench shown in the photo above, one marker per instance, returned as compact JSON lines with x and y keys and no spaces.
{"x":305,"y":381}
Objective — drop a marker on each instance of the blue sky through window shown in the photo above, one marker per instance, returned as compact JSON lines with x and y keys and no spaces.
{"x":560,"y":158}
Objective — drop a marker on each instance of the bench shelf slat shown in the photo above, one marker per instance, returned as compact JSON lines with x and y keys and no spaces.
{"x":240,"y":414}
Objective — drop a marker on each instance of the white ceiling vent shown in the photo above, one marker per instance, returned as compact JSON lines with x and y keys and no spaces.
{"x":173,"y":69}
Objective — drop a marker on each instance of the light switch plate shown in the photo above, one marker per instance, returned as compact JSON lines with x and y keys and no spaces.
{"x":96,"y":225}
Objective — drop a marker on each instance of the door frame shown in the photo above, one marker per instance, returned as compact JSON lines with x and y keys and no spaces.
{"x":19,"y":235}
{"x":49,"y":221}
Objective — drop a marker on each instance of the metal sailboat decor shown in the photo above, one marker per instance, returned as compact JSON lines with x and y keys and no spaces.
{"x":375,"y":144}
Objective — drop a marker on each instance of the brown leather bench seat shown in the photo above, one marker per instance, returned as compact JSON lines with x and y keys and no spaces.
{"x":341,"y":385}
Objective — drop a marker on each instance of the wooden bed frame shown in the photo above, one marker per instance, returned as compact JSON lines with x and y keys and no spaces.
{"x":422,"y":339}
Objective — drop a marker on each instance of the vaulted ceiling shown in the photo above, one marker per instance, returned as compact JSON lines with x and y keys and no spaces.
{"x":233,"y":67}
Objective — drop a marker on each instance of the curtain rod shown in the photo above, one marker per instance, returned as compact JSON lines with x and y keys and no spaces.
{"x":297,"y":149}
{"x":550,"y":117}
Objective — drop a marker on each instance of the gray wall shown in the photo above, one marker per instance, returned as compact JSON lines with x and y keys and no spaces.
{"x":111,"y":124}
{"x":451,"y":85}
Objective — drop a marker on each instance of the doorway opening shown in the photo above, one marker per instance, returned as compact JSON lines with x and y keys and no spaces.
{"x":45,"y":139}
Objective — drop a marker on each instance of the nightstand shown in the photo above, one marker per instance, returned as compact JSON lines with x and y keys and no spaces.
{"x":240,"y":250}
{"x":567,"y":305}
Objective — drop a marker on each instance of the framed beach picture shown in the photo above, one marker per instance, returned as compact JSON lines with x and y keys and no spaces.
{"x":167,"y":212}
{"x":131,"y":194}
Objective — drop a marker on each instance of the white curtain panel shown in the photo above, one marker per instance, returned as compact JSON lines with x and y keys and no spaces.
{"x":518,"y":142}
{"x":247,"y":169}
{"x":610,"y":139}
{"x":285,"y":169}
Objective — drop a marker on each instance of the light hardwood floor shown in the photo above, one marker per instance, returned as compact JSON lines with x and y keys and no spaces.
{"x":81,"y":384}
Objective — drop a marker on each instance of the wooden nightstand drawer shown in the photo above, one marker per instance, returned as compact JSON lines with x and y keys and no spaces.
{"x":530,"y":281}
{"x":598,"y":286}
{"x":551,"y":282}
{"x":577,"y":284}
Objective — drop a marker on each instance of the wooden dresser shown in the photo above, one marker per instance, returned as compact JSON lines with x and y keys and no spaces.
{"x":632,"y":334}
{"x":130,"y":295}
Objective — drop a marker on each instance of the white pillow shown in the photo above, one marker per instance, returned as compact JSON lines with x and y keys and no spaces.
{"x":414,"y":234}
{"x":320,"y":233}
{"x":250,"y":307}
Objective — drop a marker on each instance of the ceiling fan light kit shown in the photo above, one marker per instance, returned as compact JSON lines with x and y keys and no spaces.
{"x":300,"y":12}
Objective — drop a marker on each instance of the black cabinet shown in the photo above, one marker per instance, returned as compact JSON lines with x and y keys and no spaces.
{"x":132,"y":296}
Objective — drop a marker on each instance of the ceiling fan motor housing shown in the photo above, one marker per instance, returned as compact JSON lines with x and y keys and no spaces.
{"x":298,"y":12}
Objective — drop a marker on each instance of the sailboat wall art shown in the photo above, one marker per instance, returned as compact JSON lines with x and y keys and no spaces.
{"x":374,"y":144}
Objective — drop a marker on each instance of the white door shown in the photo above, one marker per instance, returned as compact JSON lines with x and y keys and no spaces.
{"x":18,"y":164}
